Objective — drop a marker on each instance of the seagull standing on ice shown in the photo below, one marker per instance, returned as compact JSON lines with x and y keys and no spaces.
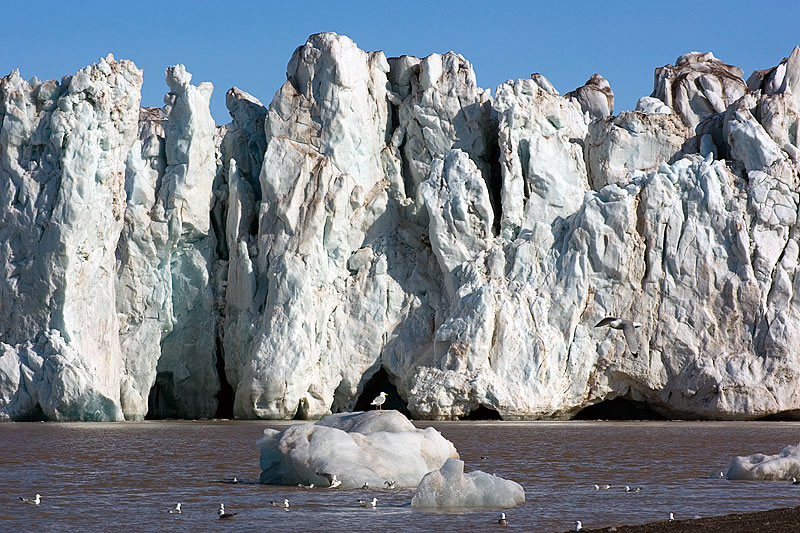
{"x":333,"y":481}
{"x":628,"y":327}
{"x":224,"y":515}
{"x":379,"y":400}
{"x":502,"y":521}
{"x":33,"y":501}
{"x":367,"y":503}
{"x":177,"y":509}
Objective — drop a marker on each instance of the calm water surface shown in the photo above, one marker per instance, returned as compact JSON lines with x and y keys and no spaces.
{"x":128,"y":475}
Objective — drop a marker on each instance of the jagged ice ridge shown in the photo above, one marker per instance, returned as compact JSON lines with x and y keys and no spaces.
{"x":387,"y":217}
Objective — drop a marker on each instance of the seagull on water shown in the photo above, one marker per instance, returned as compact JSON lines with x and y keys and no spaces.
{"x":223,"y":515}
{"x":628,"y":489}
{"x":309,"y":486}
{"x":365,"y":486}
{"x":367,"y":503}
{"x":671,"y":517}
{"x":502,"y":521}
{"x":333,"y":481}
{"x":794,"y":481}
{"x":283,"y":505}
{"x":578,"y":525}
{"x":379,"y":400}
{"x":391,"y":485}
{"x":177,"y":509}
{"x":33,"y":501}
{"x":628,"y":327}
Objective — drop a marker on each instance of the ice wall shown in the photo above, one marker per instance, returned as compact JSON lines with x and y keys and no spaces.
{"x":388,"y":219}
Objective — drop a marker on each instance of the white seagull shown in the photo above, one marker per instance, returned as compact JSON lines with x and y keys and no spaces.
{"x":309,"y":486}
{"x":628,"y":489}
{"x":177,"y":509}
{"x":794,"y":481}
{"x":333,"y":481}
{"x":33,"y":501}
{"x":223,"y":515}
{"x":379,"y":400}
{"x":502,"y":521}
{"x":578,"y":525}
{"x":283,"y":505}
{"x":671,"y":517}
{"x":365,"y":486}
{"x":367,"y":503}
{"x":628,"y":327}
{"x":391,"y":485}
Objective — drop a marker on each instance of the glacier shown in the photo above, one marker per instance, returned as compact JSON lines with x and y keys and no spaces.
{"x":385,"y":222}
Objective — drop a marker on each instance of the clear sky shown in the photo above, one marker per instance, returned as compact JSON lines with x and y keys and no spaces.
{"x":248,"y":43}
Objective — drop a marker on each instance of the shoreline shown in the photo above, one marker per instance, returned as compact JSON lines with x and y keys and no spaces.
{"x":781,"y":519}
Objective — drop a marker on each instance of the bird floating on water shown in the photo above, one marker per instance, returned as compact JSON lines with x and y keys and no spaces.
{"x":628,"y":327}
{"x":795,"y":481}
{"x":391,"y":485}
{"x":502,"y":520}
{"x":578,"y":525}
{"x":283,"y":505}
{"x":367,"y":503}
{"x":33,"y":501}
{"x":671,"y":517}
{"x":628,"y":489}
{"x":235,"y":480}
{"x":309,"y":486}
{"x":333,"y":481}
{"x":365,"y":486}
{"x":379,"y":400}
{"x":176,"y":510}
{"x":224,"y":515}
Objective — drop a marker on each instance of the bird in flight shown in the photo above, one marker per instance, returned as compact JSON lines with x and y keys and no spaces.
{"x":628,"y":328}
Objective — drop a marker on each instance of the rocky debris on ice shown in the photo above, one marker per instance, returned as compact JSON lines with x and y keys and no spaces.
{"x":780,"y":467}
{"x":595,"y":97}
{"x":363,"y":447}
{"x":450,"y":487}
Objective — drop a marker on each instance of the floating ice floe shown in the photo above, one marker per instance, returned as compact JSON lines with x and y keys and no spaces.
{"x":451,"y":487}
{"x":359,"y":448}
{"x":780,"y":467}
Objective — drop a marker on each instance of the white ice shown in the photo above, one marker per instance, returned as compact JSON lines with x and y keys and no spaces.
{"x":780,"y":467}
{"x":363,"y":447}
{"x":451,"y":487}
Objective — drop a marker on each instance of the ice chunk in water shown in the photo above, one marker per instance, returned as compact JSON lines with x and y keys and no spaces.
{"x":451,"y":487}
{"x":758,"y":466}
{"x":363,"y":447}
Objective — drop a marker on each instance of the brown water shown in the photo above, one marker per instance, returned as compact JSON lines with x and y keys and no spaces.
{"x":128,"y":475}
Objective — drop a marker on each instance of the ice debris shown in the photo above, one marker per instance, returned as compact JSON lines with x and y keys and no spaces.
{"x":451,"y":487}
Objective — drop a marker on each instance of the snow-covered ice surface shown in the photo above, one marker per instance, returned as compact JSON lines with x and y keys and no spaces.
{"x":780,"y":467}
{"x":450,"y":487}
{"x":364,"y":447}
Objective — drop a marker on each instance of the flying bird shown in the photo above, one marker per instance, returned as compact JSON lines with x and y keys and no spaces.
{"x":628,"y":327}
{"x":333,"y":481}
{"x":367,"y":503}
{"x":379,"y":400}
{"x":177,"y":509}
{"x":33,"y":501}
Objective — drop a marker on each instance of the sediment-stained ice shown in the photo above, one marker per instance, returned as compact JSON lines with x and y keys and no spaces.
{"x":780,"y":467}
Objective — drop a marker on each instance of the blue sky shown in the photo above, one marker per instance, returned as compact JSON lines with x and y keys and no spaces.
{"x":248,"y":44}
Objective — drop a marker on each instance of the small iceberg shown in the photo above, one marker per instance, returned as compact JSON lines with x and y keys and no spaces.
{"x":780,"y":467}
{"x":451,"y":487}
{"x":358,"y":448}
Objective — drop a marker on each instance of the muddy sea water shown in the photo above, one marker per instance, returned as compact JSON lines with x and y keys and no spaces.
{"x":126,"y":476}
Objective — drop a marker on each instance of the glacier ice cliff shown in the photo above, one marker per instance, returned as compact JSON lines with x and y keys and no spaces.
{"x":386,"y":223}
